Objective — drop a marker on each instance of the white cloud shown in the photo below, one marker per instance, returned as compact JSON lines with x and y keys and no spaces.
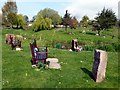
{"x":119,"y":10}
{"x":41,"y":0}
{"x":0,"y":12}
{"x":79,"y":8}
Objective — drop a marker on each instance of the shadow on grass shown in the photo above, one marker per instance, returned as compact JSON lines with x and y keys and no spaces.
{"x":88,"y":72}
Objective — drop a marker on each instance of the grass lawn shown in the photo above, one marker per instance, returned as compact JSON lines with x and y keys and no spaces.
{"x":75,"y":67}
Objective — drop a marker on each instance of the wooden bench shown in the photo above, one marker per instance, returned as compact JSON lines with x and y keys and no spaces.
{"x":41,"y":55}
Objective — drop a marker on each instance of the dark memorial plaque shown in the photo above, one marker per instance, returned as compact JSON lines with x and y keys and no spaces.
{"x":74,"y":44}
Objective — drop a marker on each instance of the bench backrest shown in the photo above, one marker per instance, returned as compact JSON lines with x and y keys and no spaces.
{"x":32,"y":49}
{"x":41,"y":49}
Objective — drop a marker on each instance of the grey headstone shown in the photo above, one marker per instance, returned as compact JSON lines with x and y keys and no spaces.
{"x":99,"y":65}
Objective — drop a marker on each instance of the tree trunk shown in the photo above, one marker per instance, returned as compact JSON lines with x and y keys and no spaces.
{"x":66,"y":28}
{"x":17,"y":25}
{"x":12,"y":26}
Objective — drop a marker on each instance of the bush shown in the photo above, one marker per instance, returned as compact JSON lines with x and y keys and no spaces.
{"x":47,"y":45}
{"x":59,"y":46}
{"x":116,"y":46}
{"x":91,"y":33}
{"x":89,"y":47}
{"x":109,"y":48}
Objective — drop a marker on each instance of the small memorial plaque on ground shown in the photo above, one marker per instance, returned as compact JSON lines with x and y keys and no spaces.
{"x":53,"y":63}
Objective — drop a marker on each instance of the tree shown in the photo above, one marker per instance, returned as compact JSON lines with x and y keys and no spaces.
{"x":9,"y":10}
{"x":33,"y":18}
{"x":106,"y":19}
{"x":73,"y":23}
{"x":52,"y":14}
{"x":12,"y":19}
{"x":118,"y":23}
{"x":66,"y":19}
{"x":48,"y":23}
{"x":21,"y":21}
{"x":41,"y":24}
{"x":26,"y":18}
{"x":0,"y":20}
{"x":85,"y":21}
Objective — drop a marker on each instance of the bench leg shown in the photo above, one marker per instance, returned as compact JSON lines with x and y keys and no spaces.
{"x":6,"y":41}
{"x":45,"y":61}
{"x":33,"y":62}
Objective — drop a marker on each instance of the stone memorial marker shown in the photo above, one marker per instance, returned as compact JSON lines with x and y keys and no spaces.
{"x":99,"y":65}
{"x":74,"y":44}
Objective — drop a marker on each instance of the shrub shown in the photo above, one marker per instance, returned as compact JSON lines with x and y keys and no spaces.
{"x":59,"y":45}
{"x":116,"y":46}
{"x":89,"y":48}
{"x":109,"y":48}
{"x":47,"y":45}
{"x":91,"y":33}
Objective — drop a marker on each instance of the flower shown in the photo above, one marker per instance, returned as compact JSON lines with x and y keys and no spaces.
{"x":7,"y":81}
{"x":59,"y":82}
{"x":26,"y":74}
{"x":86,"y":80}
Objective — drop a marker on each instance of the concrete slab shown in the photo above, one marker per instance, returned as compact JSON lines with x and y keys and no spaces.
{"x":53,"y":63}
{"x":54,"y":66}
{"x":52,"y":59}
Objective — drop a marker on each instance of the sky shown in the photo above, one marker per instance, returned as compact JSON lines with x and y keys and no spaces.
{"x":119,"y":10}
{"x":77,"y":8}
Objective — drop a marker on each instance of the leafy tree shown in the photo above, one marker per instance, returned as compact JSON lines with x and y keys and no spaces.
{"x":106,"y":19}
{"x":73,"y":23}
{"x":90,"y":22}
{"x":41,"y":24}
{"x":52,"y":14}
{"x":85,"y":21}
{"x":66,"y":19}
{"x":33,"y":18}
{"x":0,"y":19}
{"x":12,"y":19}
{"x":26,"y":18}
{"x":119,"y":23}
{"x":21,"y":21}
{"x":48,"y":22}
{"x":9,"y":10}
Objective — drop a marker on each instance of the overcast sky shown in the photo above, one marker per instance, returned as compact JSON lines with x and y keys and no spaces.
{"x":77,"y":8}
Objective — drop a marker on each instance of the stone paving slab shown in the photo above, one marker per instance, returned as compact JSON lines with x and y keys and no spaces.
{"x":53,"y":63}
{"x":52,"y":59}
{"x":54,"y":66}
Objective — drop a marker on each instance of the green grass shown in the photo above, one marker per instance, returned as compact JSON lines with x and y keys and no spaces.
{"x":15,"y":64}
{"x":59,"y":35}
